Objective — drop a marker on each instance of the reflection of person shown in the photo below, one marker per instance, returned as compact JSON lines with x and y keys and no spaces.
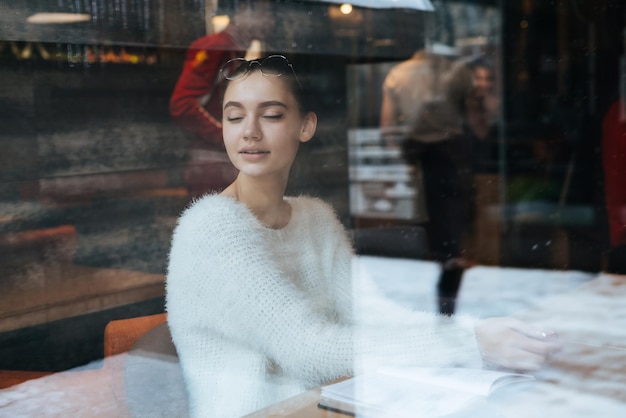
{"x":195,"y":102}
{"x":261,"y":299}
{"x":406,"y":88}
{"x":453,"y":139}
{"x":614,"y":164}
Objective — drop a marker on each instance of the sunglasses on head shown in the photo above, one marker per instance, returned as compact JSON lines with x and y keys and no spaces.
{"x":272,"y":66}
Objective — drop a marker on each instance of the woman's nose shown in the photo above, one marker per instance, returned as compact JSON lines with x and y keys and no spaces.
{"x":252,"y":131}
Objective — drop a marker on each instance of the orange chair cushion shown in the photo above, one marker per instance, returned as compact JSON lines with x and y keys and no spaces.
{"x":120,"y":335}
{"x":10,"y":378}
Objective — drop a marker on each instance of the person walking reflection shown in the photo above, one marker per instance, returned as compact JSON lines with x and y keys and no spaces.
{"x":453,"y":139}
{"x":406,"y":88}
{"x":195,"y":104}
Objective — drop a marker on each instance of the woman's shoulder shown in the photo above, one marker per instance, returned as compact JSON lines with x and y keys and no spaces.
{"x":318,"y":215}
{"x":213,"y":212}
{"x":313,"y":206}
{"x":215,"y":204}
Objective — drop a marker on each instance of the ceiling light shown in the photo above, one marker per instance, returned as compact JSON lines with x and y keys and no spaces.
{"x":58,"y":18}
{"x":346,"y":8}
{"x":424,"y":5}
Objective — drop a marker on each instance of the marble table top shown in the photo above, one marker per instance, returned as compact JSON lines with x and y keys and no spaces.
{"x":586,"y":379}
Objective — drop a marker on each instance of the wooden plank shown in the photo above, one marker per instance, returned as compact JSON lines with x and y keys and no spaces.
{"x":58,"y":291}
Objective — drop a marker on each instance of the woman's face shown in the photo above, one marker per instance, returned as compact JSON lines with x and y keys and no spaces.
{"x":483,"y":82}
{"x":262,"y":125}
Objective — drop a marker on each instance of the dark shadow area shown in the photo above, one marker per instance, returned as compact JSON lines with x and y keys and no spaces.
{"x":68,"y":343}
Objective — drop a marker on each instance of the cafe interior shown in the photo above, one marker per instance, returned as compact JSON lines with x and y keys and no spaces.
{"x":92,"y":182}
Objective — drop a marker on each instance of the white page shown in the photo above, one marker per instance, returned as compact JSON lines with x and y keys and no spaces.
{"x":477,"y":381}
{"x":387,"y":396}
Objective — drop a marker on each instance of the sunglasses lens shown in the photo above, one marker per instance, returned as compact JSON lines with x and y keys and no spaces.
{"x":275,"y":65}
{"x":234,"y":68}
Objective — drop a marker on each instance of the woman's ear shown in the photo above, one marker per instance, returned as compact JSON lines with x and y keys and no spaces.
{"x":309,"y":125}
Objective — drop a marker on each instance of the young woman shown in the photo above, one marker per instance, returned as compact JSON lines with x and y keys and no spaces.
{"x":261,"y":297}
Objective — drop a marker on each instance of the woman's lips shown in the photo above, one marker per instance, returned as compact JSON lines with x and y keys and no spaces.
{"x":253,"y":155}
{"x":253,"y":151}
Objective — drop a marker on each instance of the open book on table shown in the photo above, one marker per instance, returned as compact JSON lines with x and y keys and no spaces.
{"x":414,"y":391}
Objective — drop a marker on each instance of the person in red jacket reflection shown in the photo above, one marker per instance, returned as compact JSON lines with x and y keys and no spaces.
{"x":614,"y":164}
{"x":195,"y":104}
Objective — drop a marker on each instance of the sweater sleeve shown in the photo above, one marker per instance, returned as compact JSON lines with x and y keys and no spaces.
{"x":222,"y":278}
{"x":360,"y":302}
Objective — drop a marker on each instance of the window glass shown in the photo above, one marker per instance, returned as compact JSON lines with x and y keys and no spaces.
{"x":481,"y":140}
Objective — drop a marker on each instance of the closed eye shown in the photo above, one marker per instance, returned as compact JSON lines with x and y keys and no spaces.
{"x":274,"y":117}
{"x":234,"y":118}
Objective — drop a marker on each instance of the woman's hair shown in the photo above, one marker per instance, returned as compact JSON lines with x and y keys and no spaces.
{"x":294,"y":83}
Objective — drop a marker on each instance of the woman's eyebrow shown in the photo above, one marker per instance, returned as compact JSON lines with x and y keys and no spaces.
{"x":233,"y":104}
{"x":270,"y":103}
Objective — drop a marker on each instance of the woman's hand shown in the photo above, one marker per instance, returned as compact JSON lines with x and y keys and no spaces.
{"x":514,"y":344}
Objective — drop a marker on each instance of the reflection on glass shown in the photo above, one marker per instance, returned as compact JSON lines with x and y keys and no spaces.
{"x":523,"y":198}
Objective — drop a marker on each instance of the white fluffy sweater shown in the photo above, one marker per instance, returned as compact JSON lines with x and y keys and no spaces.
{"x":258,"y":315}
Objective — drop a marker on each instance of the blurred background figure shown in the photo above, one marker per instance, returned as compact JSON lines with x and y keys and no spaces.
{"x":195,"y":104}
{"x":614,"y":164}
{"x":453,"y":139}
{"x":406,"y":88}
